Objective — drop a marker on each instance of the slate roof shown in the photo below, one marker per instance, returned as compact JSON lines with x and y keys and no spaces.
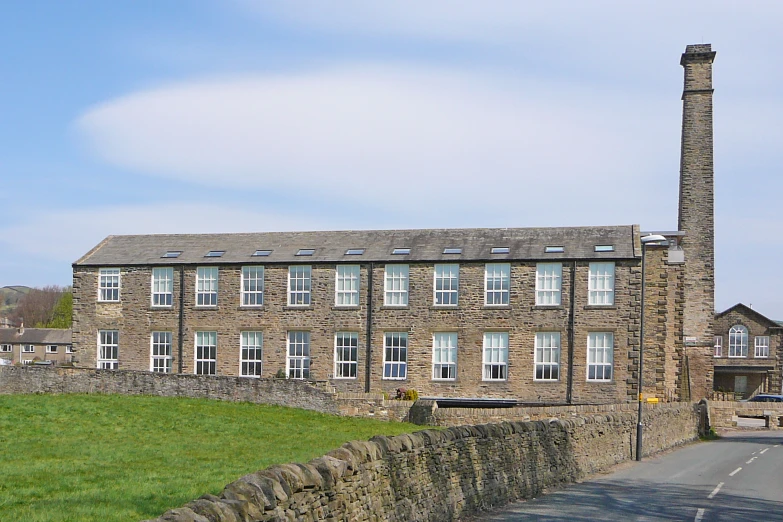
{"x":35,"y":336}
{"x":425,"y":245}
{"x":746,"y":310}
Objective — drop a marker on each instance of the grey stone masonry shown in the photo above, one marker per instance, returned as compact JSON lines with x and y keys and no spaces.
{"x":696,"y":215}
{"x":696,"y":209}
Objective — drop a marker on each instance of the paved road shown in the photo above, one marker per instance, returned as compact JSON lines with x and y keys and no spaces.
{"x":736,"y":478}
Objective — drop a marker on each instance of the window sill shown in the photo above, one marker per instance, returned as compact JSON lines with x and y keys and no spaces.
{"x":496,"y":307}
{"x":395,"y":307}
{"x":494,"y":380}
{"x":344,"y":378}
{"x":595,"y":381}
{"x":161,"y":307}
{"x":545,"y":381}
{"x":206,"y":307}
{"x":601,"y":307}
{"x":109,"y":302}
{"x":443,"y":381}
{"x":395,"y":379}
{"x":298,"y":307}
{"x":345,"y":307}
{"x":548,"y":307}
{"x":251,"y":307}
{"x":738,"y":356}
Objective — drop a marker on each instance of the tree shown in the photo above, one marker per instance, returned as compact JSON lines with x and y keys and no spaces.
{"x":62,"y":316}
{"x":36,"y":308}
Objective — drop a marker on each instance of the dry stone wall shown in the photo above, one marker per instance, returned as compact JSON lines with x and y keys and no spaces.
{"x":441,"y":475}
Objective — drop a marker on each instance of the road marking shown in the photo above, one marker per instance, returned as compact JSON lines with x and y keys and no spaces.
{"x":699,"y":514}
{"x":751,"y":460}
{"x":776,"y":445}
{"x":734,"y":472}
{"x":763,"y":451}
{"x":715,"y":491}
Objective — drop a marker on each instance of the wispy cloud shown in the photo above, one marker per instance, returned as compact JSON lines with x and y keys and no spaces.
{"x":403,"y":138}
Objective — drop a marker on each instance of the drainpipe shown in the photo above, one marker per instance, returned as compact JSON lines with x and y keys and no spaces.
{"x":571,"y":309}
{"x":368,"y":335}
{"x":180,"y":333}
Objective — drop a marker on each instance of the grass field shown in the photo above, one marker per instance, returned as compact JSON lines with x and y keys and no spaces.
{"x":110,"y":457}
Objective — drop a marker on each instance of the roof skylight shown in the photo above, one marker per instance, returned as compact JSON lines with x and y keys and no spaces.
{"x":305,"y":252}
{"x":401,"y":251}
{"x":262,"y":253}
{"x":500,"y":250}
{"x":452,"y":250}
{"x":554,"y":250}
{"x":172,"y":253}
{"x":215,"y":253}
{"x":354,"y":252}
{"x":604,"y":248}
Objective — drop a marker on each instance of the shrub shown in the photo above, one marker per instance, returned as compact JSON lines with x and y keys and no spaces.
{"x":280,"y":374}
{"x":411,"y":395}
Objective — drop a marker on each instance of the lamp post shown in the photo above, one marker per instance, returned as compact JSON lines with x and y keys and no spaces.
{"x":655,"y":239}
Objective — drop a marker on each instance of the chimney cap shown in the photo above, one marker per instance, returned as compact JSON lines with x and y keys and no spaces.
{"x":697,"y":53}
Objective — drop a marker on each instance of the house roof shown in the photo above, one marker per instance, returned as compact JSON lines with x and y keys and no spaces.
{"x":35,"y":336}
{"x":425,"y":245}
{"x":746,"y":310}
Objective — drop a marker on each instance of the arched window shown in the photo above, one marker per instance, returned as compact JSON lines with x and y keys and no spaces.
{"x":738,"y":341}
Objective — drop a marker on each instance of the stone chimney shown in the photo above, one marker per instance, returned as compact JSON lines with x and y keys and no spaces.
{"x":21,"y":327}
{"x":696,"y":215}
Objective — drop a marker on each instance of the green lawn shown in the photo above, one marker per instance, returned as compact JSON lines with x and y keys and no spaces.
{"x":111,"y":457}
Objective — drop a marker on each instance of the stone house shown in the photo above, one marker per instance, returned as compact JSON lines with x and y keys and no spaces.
{"x":31,"y":345}
{"x":541,"y":315}
{"x":747,"y":352}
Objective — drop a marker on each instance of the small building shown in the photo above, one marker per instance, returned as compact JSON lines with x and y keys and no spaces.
{"x":748,"y":348}
{"x":35,"y":345}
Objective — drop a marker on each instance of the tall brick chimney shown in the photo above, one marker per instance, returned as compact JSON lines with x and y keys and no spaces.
{"x":696,"y":213}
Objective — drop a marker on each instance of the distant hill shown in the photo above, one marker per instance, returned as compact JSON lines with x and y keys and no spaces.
{"x":9,"y":298}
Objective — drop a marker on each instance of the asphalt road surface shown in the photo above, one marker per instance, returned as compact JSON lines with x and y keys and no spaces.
{"x":736,"y":478}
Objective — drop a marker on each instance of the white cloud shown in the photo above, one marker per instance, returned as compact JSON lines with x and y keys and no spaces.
{"x":405,"y":139}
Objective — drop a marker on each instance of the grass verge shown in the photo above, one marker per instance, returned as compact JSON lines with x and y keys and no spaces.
{"x":112,"y":457}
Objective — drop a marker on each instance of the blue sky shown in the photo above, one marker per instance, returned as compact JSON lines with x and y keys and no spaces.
{"x":130,"y":117}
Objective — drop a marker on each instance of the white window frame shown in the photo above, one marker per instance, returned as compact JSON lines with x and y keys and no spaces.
{"x":109,"y":280}
{"x":162,"y":287}
{"x":69,"y":348}
{"x":395,"y":356}
{"x":444,"y":356}
{"x":252,"y":287}
{"x":346,"y":355}
{"x":497,"y":284}
{"x":4,"y":348}
{"x":495,"y":356}
{"x":299,"y":285}
{"x":600,"y":356}
{"x":396,"y":283}
{"x":207,"y":286}
{"x":161,"y":351}
{"x":738,"y":341}
{"x":600,"y":286}
{"x":549,"y":277}
{"x":717,"y":347}
{"x":51,"y":348}
{"x":445,"y":286}
{"x":251,"y":353}
{"x":297,"y":361}
{"x":108,"y":350}
{"x":28,"y":348}
{"x":205,"y":353}
{"x":761,"y":346}
{"x":346,"y":285}
{"x":546,"y":360}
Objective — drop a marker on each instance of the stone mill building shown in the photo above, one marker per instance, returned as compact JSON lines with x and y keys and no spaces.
{"x":538,"y":315}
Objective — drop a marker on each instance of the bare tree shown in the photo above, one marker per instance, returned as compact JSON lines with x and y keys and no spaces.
{"x":36,"y":308}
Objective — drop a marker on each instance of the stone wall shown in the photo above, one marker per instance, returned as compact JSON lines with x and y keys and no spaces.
{"x":134,"y":318}
{"x":441,"y":475}
{"x":283,"y":392}
{"x":723,"y":414}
